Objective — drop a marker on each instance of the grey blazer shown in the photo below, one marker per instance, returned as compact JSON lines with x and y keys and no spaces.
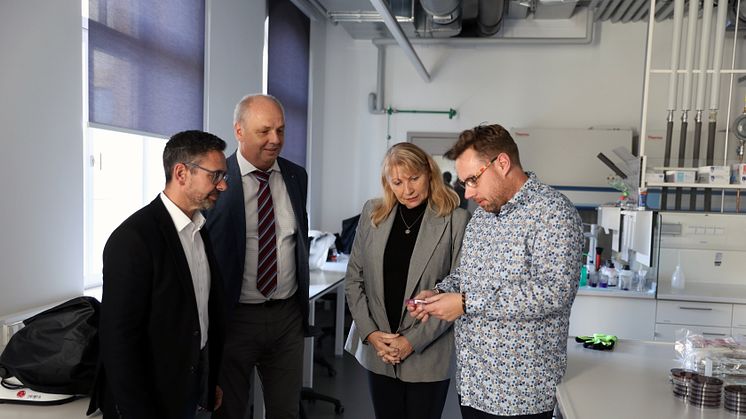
{"x":435,"y":253}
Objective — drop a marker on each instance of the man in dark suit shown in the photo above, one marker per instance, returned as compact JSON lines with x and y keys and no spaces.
{"x":259,"y":229}
{"x":162,"y":318}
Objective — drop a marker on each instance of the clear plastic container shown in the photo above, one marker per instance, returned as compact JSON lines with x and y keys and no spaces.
{"x":625,"y":278}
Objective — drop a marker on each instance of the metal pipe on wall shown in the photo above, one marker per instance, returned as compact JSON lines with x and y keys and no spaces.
{"x":672,"y":91}
{"x":715,"y":91}
{"x":704,"y":50}
{"x":686,"y":101}
{"x":673,"y":79}
{"x":401,"y":38}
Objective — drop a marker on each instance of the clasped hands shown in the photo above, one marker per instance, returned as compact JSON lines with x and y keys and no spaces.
{"x":445,"y":306}
{"x":392,"y":348}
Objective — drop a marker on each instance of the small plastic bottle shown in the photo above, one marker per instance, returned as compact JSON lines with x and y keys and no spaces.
{"x":592,"y":275}
{"x":613,"y":274}
{"x":583,"y":276}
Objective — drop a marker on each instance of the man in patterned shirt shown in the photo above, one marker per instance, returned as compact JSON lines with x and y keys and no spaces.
{"x":512,"y":292}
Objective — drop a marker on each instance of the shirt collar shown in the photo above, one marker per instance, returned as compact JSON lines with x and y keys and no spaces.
{"x":181,"y":221}
{"x":245,"y":167}
{"x":523,"y":196}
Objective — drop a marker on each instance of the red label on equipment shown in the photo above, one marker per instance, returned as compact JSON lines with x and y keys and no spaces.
{"x":21,"y":394}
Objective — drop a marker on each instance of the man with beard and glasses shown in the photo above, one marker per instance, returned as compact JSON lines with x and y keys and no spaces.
{"x":162,"y":320}
{"x":512,"y":291}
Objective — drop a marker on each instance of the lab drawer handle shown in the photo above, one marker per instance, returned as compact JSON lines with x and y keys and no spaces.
{"x":712,"y":334}
{"x":696,"y":308}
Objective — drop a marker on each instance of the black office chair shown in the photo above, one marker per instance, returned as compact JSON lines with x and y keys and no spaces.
{"x":308,"y":394}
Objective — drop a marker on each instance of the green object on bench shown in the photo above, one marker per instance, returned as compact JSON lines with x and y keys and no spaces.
{"x":598,"y":341}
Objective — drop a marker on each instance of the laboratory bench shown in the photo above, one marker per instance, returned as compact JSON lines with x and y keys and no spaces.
{"x":630,"y":381}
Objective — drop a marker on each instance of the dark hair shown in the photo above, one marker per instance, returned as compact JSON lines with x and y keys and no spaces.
{"x":187,"y":147}
{"x":447,"y":177}
{"x":488,"y":141}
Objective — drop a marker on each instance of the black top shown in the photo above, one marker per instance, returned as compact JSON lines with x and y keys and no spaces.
{"x":399,"y":248}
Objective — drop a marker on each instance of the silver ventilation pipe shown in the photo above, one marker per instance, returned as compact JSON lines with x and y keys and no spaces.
{"x":401,"y":38}
{"x":490,"y":16}
{"x":376,"y":100}
{"x":443,"y":11}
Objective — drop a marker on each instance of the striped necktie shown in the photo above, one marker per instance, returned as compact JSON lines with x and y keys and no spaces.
{"x":266,"y":270}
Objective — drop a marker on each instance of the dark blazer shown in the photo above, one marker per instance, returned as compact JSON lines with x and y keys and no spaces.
{"x":149,"y":327}
{"x":227,"y":225}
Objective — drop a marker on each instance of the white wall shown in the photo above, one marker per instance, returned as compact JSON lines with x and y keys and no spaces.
{"x":234,"y":46}
{"x":564,"y":86}
{"x":515,"y":85}
{"x":41,"y":165}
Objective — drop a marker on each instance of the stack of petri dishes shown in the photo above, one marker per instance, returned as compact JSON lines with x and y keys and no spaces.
{"x":705,"y":391}
{"x":681,"y":378}
{"x":735,"y":398}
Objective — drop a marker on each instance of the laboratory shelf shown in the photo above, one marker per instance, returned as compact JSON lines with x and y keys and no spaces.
{"x":694,"y":185}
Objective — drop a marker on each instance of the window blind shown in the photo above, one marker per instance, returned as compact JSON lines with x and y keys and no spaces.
{"x":146,"y":65}
{"x":287,"y":73}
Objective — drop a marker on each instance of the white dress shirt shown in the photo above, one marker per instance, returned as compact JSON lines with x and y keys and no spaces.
{"x":194,"y":249}
{"x":285,"y":228}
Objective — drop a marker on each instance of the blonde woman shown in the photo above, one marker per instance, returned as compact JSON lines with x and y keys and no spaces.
{"x":406,"y":241}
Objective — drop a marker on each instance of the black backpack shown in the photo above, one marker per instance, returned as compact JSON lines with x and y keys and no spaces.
{"x":57,"y":350}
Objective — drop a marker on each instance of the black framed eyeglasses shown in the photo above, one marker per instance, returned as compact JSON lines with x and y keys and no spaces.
{"x":471,"y":181}
{"x":216,"y":175}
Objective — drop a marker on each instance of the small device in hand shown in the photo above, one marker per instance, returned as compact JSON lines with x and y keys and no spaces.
{"x":414,"y":301}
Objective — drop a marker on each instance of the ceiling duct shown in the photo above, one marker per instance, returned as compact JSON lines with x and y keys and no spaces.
{"x":474,"y":18}
{"x":443,"y":12}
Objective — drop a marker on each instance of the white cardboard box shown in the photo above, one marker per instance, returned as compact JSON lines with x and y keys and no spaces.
{"x":654,"y":177}
{"x":680,"y":176}
{"x":714,"y":170}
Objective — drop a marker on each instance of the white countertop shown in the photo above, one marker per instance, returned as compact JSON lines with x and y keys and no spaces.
{"x":629,"y":382}
{"x":615,"y":292}
{"x":73,"y":410}
{"x":703,"y":292}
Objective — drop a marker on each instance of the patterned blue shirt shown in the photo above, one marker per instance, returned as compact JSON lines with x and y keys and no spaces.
{"x":519,"y":270}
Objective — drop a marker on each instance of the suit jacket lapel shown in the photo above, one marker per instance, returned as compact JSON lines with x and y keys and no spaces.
{"x":236,"y":204}
{"x":431,"y":230}
{"x":171,"y":236}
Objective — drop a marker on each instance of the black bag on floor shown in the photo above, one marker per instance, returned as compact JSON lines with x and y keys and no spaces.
{"x":57,"y":350}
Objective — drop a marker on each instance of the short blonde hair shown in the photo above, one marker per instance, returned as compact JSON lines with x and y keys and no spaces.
{"x":441,"y":198}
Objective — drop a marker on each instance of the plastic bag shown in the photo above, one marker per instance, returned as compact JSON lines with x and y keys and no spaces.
{"x":318,"y":251}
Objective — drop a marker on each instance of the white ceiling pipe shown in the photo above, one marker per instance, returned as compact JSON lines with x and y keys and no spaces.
{"x":717,"y":59}
{"x":401,"y":38}
{"x":678,"y":20}
{"x":704,"y":51}
{"x":691,"y":31}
